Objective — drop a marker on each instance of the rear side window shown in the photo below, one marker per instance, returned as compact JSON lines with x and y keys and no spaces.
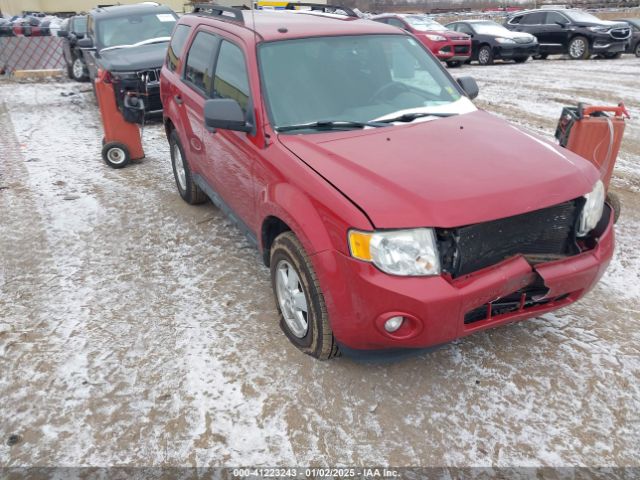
{"x":231,"y":79}
{"x":199,"y":62}
{"x":396,"y":23}
{"x":179,"y":38}
{"x":536,"y":18}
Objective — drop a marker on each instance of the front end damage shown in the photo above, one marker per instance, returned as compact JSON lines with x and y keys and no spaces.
{"x":137,"y":94}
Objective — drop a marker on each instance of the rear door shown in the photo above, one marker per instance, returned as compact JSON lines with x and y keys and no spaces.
{"x":196,"y":88}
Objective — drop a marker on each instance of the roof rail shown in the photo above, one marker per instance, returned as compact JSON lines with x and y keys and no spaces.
{"x":224,"y":13}
{"x":320,"y":7}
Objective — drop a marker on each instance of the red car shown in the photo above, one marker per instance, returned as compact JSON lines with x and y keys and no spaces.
{"x":451,"y":47}
{"x":392,"y":213}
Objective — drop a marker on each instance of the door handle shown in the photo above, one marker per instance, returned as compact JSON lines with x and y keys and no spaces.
{"x":178,"y":99}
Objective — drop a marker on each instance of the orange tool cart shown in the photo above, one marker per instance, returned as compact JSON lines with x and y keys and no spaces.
{"x":122,"y":141}
{"x":595,"y":133}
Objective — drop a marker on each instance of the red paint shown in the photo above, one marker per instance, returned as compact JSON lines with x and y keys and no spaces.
{"x":443,"y":173}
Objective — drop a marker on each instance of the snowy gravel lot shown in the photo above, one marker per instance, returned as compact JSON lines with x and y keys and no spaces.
{"x":138,"y":330}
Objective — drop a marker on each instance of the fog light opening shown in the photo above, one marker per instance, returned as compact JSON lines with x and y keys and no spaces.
{"x":393,"y":324}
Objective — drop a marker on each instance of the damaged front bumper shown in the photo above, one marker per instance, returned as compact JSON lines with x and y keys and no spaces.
{"x":439,"y":309}
{"x":138,"y":94}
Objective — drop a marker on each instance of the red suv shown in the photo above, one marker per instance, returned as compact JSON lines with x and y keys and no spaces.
{"x":387,"y":212}
{"x":450,"y":46}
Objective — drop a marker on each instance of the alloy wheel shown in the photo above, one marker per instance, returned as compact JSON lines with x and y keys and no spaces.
{"x":577,"y":48}
{"x":292,"y":299}
{"x":181,"y":174}
{"x":78,"y":69}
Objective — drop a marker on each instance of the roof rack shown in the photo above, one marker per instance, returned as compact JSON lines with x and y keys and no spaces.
{"x":320,"y":7}
{"x":224,"y":13}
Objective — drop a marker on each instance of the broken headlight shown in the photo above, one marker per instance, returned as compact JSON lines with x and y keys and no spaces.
{"x":592,"y":210}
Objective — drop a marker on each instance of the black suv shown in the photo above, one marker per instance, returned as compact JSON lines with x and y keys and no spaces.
{"x":130,"y":43}
{"x":575,"y":32}
{"x":72,"y":30}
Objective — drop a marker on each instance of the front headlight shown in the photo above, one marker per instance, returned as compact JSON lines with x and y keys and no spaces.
{"x":436,"y":38}
{"x":398,"y":252}
{"x":599,"y":29}
{"x":505,"y":40}
{"x":592,"y":211}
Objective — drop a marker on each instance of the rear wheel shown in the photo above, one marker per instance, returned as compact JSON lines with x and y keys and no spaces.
{"x":77,"y":70}
{"x":485,"y":55}
{"x":521,"y":59}
{"x":579,"y":48}
{"x":188,"y":190}
{"x":300,"y":302}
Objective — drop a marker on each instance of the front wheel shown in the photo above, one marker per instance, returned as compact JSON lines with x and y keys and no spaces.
{"x":485,"y":55}
{"x":77,"y":70}
{"x":116,"y":154}
{"x":616,"y":205}
{"x":521,"y":59}
{"x":579,"y":48}
{"x":300,"y":302}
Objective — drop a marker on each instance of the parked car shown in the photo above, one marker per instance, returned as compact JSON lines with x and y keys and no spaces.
{"x":391,"y":212}
{"x":27,"y":27}
{"x":634,"y":42}
{"x":449,"y":46}
{"x":130,"y":42}
{"x":72,"y":30}
{"x":491,"y":41}
{"x":574,"y":32}
{"x":6,"y":28}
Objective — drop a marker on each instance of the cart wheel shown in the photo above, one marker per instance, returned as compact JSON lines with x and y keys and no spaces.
{"x":614,"y":201}
{"x":116,"y":154}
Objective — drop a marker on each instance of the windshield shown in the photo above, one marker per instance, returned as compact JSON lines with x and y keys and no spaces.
{"x":80,"y":25}
{"x":490,"y":28}
{"x":423,"y":24}
{"x":352,"y":78}
{"x":578,"y":16}
{"x":112,"y":32}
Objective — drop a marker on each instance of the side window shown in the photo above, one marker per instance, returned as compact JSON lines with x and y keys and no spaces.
{"x":396,"y":23}
{"x":536,"y":18}
{"x":465,"y":29}
{"x":199,"y":61}
{"x":515,"y":20}
{"x":231,"y":78}
{"x":555,"y":18}
{"x":380,"y":20}
{"x":178,"y":39}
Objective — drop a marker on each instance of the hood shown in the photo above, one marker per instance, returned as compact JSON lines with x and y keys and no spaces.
{"x":143,"y":57}
{"x":518,"y":36}
{"x":446,"y":172}
{"x":453,"y":34}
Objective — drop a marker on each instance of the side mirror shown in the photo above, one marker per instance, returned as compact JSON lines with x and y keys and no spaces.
{"x":562,"y":24}
{"x":85,"y":43}
{"x":63,"y":33}
{"x":225,"y":113}
{"x":469,"y":86}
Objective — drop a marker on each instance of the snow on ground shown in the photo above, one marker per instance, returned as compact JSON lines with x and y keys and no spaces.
{"x":138,"y":330}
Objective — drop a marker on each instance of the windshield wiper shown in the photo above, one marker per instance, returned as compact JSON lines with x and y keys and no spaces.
{"x":330,"y":125}
{"x":410,"y":117}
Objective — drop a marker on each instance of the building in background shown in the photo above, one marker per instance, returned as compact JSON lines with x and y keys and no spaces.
{"x":16,"y":7}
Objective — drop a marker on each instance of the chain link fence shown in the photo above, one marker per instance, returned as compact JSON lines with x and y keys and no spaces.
{"x":30,"y":53}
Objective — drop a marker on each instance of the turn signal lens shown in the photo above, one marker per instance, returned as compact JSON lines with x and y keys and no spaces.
{"x":359,"y":245}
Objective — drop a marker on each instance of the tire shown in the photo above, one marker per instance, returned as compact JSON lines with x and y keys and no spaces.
{"x":541,"y":56}
{"x":77,"y":70}
{"x":521,"y":59}
{"x":485,"y":55}
{"x":579,"y":48}
{"x":616,"y":205}
{"x":188,"y":190}
{"x":287,"y":258}
{"x":116,"y":154}
{"x":637,"y":50}
{"x":454,"y":64}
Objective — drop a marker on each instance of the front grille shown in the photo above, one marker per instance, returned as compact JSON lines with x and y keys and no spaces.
{"x":541,"y":236}
{"x":620,"y":33}
{"x":149,"y":76}
{"x":458,"y":38}
{"x":523,"y":39}
{"x":461,"y":49}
